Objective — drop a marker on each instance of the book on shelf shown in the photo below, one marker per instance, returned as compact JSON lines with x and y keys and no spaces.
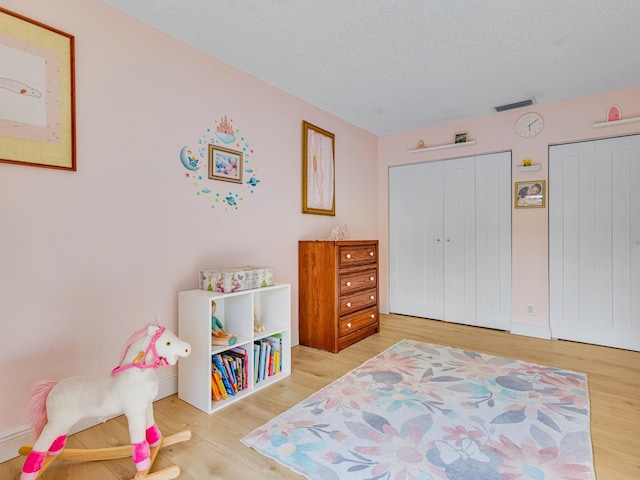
{"x":267,"y":357}
{"x":264,"y":358}
{"x":242,"y":363}
{"x":215,"y":391}
{"x":217,"y":378}
{"x":256,"y":362}
{"x":276,"y":345}
{"x":231,"y":374}
{"x":220,"y":367}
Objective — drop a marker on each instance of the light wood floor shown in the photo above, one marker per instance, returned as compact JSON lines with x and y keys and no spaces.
{"x":215,"y":452}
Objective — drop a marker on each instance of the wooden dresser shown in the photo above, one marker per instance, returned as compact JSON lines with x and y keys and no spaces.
{"x":338,"y":292}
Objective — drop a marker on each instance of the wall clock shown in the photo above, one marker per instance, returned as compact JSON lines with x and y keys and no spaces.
{"x":529,"y":125}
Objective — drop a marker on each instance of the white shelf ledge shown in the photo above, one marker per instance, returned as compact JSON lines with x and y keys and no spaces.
{"x":530,"y":168}
{"x":440,"y":147}
{"x":616,"y":122}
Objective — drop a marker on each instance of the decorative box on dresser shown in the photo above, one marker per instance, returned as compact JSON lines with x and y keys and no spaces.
{"x":338,"y":292}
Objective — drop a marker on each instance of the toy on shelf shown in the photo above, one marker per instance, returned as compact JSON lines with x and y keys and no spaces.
{"x":55,"y":407}
{"x":219,"y":335}
{"x":258,"y":326}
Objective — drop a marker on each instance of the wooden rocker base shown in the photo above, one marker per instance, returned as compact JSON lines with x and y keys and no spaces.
{"x":114,"y":453}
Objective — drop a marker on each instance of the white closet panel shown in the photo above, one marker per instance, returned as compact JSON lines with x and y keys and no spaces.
{"x":416,"y":280}
{"x":493,"y":240}
{"x":458,"y":232}
{"x":594,"y":242}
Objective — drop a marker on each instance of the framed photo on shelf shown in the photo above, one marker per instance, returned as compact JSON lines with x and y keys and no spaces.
{"x":530,"y":194}
{"x":318,"y":171}
{"x":225,"y":164}
{"x":37,"y":97}
{"x":460,"y":137}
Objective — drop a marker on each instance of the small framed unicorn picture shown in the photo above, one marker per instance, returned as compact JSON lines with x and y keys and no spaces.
{"x":225,"y":164}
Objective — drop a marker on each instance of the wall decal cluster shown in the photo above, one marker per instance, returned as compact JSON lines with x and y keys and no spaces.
{"x":209,"y":170}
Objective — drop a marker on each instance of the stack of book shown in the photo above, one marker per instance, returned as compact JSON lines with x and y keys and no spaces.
{"x":267,"y":357}
{"x":229,"y":371}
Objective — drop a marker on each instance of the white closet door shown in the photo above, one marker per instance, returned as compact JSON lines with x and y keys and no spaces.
{"x":493,"y":240}
{"x":594,"y":242}
{"x":415,"y":239}
{"x":459,"y":241}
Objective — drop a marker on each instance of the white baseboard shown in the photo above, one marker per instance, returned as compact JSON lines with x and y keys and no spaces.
{"x":12,"y":440}
{"x":538,"y":331}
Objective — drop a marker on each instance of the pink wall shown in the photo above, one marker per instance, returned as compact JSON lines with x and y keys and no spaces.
{"x":564,"y":122}
{"x":86,"y":258}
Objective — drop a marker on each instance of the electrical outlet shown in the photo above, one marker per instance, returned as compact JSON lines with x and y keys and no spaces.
{"x":530,"y":309}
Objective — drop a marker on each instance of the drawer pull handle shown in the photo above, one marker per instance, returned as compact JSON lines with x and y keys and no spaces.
{"x":372,"y":297}
{"x":348,"y":255}
{"x":348,"y":284}
{"x":371,"y":254}
{"x":371,"y":279}
{"x":349,"y":304}
{"x":349,"y":325}
{"x":373,"y":315}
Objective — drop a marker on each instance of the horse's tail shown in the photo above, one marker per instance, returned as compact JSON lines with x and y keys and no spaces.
{"x":37,"y":408}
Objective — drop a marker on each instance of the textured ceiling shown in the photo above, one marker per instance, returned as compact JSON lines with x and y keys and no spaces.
{"x":390,"y":66}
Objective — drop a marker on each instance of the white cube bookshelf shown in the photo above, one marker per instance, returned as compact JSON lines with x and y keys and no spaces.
{"x":235,"y":311}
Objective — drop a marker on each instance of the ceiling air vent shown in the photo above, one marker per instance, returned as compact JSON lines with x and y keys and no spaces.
{"x":511,"y":106}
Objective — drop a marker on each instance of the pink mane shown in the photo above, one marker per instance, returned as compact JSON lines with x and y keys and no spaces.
{"x":134,"y":338}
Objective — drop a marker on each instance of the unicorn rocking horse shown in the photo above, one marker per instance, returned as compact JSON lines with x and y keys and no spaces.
{"x":130,"y":389}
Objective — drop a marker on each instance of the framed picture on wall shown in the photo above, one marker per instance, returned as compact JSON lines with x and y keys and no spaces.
{"x":530,"y":194}
{"x":461,"y":137}
{"x":318,"y":171}
{"x":37,"y":106}
{"x":225,"y":164}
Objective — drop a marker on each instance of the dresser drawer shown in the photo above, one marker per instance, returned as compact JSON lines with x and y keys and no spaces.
{"x":357,"y":255}
{"x":352,"y":282}
{"x":357,"y":301}
{"x":354,"y":322}
{"x":355,"y":337}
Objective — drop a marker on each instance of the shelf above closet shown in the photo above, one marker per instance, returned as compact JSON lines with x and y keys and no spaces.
{"x":440,"y":147}
{"x":616,"y":122}
{"x":530,"y":168}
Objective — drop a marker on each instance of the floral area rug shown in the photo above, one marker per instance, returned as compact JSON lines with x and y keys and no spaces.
{"x":426,"y":412}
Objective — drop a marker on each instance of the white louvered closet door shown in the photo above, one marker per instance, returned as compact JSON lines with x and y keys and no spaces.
{"x":594,"y":241}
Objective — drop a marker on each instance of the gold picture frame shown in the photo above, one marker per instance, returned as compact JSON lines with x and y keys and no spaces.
{"x":318,"y":171}
{"x":530,"y":194}
{"x":37,"y":94}
{"x":225,"y":164}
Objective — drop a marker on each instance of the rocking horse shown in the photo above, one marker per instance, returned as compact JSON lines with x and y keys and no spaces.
{"x":130,"y":389}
